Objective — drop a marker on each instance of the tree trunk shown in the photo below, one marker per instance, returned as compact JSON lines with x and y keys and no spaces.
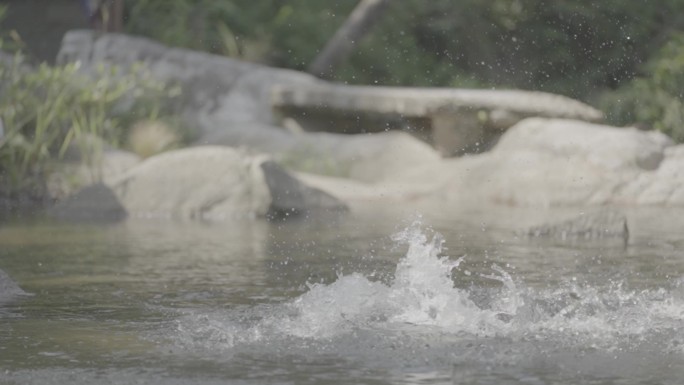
{"x":357,"y":25}
{"x":105,"y":15}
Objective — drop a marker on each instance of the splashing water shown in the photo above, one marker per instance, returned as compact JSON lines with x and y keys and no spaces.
{"x":422,"y":298}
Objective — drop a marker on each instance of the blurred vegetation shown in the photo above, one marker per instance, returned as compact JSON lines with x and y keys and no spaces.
{"x":626,"y":56}
{"x":596,"y":51}
{"x":49,"y":111}
{"x":571,"y":47}
{"x":656,"y":98}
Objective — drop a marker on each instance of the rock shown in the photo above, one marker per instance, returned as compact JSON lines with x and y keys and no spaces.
{"x":455,"y":121}
{"x":206,"y":182}
{"x":226,"y":98}
{"x":254,"y":136}
{"x":201,"y":182}
{"x":218,"y":91}
{"x":599,"y":225}
{"x":551,"y":162}
{"x":421,"y":102}
{"x":606,"y":147}
{"x":662,"y":186}
{"x":366,"y":158}
{"x":9,"y":290}
{"x":96,"y":202}
{"x":290,"y":197}
{"x":537,"y":163}
{"x":73,"y":173}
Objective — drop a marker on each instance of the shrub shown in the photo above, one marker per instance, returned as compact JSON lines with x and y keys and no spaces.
{"x":47,"y":110}
{"x":655,"y":100}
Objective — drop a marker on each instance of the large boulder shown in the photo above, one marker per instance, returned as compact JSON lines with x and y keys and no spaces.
{"x":206,"y":182}
{"x":550,"y":162}
{"x":538,"y":163}
{"x":455,"y":121}
{"x":662,"y":186}
{"x":367,"y":158}
{"x":74,"y":172}
{"x":218,"y":91}
{"x":606,"y":147}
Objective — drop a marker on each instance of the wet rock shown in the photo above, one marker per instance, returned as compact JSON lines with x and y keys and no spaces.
{"x":96,"y":202}
{"x":9,"y":290}
{"x":291,"y":197}
{"x":590,"y":226}
{"x":206,"y":182}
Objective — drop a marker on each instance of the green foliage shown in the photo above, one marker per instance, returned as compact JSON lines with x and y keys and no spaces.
{"x":9,"y":41}
{"x":657,"y":99}
{"x":48,"y":110}
{"x":571,"y":47}
{"x":576,"y":48}
{"x":579,"y":48}
{"x":282,"y":33}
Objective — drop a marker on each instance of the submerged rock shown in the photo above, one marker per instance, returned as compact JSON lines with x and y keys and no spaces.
{"x":591,"y":226}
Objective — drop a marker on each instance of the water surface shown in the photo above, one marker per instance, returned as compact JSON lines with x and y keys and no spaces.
{"x":360,"y":299}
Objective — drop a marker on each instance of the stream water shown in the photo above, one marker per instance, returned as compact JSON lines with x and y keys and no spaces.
{"x":373,"y":300}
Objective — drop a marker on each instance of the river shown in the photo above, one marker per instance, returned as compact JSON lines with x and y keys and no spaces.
{"x":363,"y":299}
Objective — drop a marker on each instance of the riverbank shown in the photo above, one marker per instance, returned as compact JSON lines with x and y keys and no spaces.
{"x":534,"y":162}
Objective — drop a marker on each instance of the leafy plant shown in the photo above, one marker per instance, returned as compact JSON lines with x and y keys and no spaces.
{"x":655,"y":100}
{"x":47,"y":111}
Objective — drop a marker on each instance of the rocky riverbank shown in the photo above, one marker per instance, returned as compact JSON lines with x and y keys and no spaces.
{"x":245,"y":164}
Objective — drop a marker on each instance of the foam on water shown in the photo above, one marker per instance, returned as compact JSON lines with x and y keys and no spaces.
{"x":422,"y":298}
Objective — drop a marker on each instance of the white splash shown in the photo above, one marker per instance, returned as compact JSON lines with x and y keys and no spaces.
{"x":422,"y":297}
{"x":421,"y":294}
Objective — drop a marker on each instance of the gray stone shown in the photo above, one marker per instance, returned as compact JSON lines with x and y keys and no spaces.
{"x":537,"y":163}
{"x":607,"y":147}
{"x":421,"y":102}
{"x":9,"y":290}
{"x":455,"y":121}
{"x":552,"y":162}
{"x":74,"y":172}
{"x":96,"y":202}
{"x":206,"y":182}
{"x":290,"y":197}
{"x":368,"y":158}
{"x":603,"y":224}
{"x":226,"y":97}
{"x":662,"y":186}
{"x":218,"y":91}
